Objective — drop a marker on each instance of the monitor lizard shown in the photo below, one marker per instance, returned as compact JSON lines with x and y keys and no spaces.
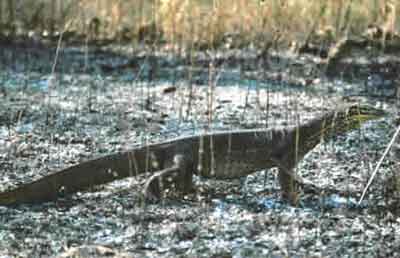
{"x":220,"y":155}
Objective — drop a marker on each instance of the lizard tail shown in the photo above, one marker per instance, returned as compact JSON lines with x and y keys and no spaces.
{"x":73,"y":179}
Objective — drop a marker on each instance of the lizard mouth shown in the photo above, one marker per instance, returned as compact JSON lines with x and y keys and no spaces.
{"x":366,"y":117}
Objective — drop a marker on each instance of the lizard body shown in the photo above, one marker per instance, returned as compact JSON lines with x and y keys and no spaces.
{"x":220,"y":155}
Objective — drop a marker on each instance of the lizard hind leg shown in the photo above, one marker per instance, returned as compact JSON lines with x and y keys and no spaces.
{"x":156,"y":183}
{"x":178,"y":175}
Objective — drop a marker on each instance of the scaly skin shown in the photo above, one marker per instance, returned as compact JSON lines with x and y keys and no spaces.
{"x":221,"y":155}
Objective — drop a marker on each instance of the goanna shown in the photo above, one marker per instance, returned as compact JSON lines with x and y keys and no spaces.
{"x":220,"y":155}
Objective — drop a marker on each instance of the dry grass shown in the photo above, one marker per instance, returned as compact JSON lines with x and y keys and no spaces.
{"x":207,"y":21}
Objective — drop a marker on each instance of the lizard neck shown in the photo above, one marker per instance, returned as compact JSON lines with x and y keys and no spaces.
{"x":324,"y":128}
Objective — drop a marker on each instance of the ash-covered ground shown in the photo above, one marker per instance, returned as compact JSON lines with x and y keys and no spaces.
{"x":51,"y":121}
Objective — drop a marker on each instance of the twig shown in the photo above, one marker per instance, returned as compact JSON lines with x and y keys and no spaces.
{"x":379,"y":164}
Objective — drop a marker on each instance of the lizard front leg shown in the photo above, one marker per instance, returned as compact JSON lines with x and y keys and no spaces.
{"x":288,"y":181}
{"x":288,"y":185}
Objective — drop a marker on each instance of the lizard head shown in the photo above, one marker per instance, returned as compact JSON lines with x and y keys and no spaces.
{"x":362,"y":113}
{"x":354,"y":116}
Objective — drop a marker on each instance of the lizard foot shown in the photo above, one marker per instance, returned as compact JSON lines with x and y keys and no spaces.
{"x":291,"y":197}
